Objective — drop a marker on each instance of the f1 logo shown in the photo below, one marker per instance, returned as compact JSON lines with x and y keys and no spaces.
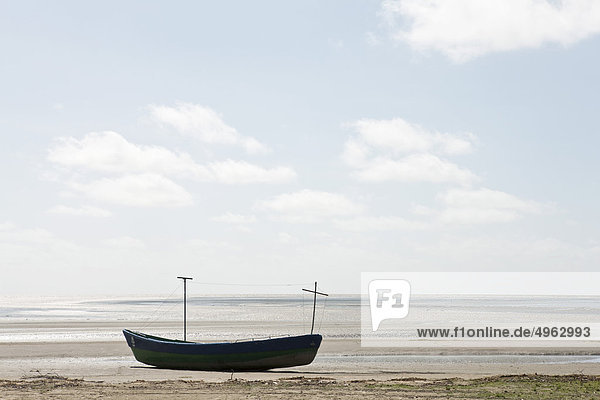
{"x":388,"y":298}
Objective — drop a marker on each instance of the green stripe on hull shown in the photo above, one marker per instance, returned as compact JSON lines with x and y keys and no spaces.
{"x":227,"y":362}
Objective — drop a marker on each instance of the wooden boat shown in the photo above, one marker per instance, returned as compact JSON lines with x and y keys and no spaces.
{"x":250,"y":355}
{"x":254,"y":355}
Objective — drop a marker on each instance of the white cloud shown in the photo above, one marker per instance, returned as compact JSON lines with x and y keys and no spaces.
{"x":311,"y":206}
{"x":419,"y":209}
{"x":111,"y":153}
{"x":33,"y":248}
{"x":234,"y":172}
{"x":125,"y":242}
{"x":395,"y":150}
{"x":204,"y":124}
{"x":15,"y":234}
{"x":459,"y":207}
{"x":335,"y":43}
{"x":463,"y":206}
{"x":398,"y":136}
{"x":286,"y":238}
{"x":6,"y":226}
{"x":36,"y":253}
{"x":465,"y":29}
{"x":372,"y":39}
{"x":415,"y":168}
{"x":237,"y":219}
{"x":141,"y":190}
{"x":518,"y":252}
{"x":85,"y":211}
{"x":387,"y":150}
{"x":253,"y":146}
{"x":362,"y":224}
{"x":356,"y":154}
{"x":213,"y":247}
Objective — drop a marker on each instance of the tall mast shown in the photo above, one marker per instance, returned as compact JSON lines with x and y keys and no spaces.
{"x":315,"y":293}
{"x":185,"y":279}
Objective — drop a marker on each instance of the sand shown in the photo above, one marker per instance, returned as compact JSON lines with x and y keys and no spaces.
{"x":507,"y":387}
{"x":338,"y":359}
{"x":342,"y":369}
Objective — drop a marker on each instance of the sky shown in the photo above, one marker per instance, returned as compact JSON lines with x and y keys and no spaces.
{"x":286,"y":142}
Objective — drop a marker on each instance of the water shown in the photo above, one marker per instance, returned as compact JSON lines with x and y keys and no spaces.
{"x":209,"y":317}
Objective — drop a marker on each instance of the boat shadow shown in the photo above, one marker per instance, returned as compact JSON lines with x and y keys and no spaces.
{"x":236,"y":372}
{"x":298,"y":372}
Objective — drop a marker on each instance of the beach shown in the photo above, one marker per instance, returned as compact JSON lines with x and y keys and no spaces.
{"x":74,"y":370}
{"x":342,"y":369}
{"x":506,"y":387}
{"x":79,"y":356}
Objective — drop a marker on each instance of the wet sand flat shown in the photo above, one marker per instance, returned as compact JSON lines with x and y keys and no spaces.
{"x":343,"y":369}
{"x":338,"y":359}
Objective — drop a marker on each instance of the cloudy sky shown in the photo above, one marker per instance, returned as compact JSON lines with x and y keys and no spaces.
{"x":286,"y":142}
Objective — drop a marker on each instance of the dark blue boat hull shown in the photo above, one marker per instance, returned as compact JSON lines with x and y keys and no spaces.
{"x":255,"y":355}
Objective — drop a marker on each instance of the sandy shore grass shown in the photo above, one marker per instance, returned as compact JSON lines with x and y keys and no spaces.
{"x":497,"y":387}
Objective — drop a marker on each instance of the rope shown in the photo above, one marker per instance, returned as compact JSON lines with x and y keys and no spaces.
{"x":323,"y":312}
{"x":303,"y":314}
{"x":162,"y":303}
{"x":155,"y":314}
{"x":247,"y":284}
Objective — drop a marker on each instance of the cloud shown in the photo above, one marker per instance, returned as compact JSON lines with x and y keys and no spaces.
{"x":459,"y":207}
{"x":125,"y":242}
{"x":141,"y":190}
{"x":286,"y":238}
{"x":109,"y":152}
{"x":335,"y":43}
{"x":310,"y":206}
{"x":236,"y":219}
{"x":36,"y":252}
{"x":34,"y":248}
{"x":517,"y":252}
{"x":465,"y":29}
{"x":388,"y":150}
{"x":233,"y":172}
{"x":478,"y":206}
{"x":212,"y":247}
{"x":204,"y":124}
{"x":415,"y":168}
{"x":6,"y":226}
{"x":364,"y":224}
{"x":85,"y":211}
{"x":11,"y":233}
{"x":372,"y":39}
{"x":395,"y":150}
{"x":398,"y":136}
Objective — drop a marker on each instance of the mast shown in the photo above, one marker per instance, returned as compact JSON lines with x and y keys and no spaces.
{"x":185,"y":279}
{"x":315,"y":293}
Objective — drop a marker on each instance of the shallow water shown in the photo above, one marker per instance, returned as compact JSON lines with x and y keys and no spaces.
{"x":223,"y":318}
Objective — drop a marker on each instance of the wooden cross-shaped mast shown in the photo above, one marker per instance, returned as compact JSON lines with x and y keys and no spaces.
{"x":312,"y":327}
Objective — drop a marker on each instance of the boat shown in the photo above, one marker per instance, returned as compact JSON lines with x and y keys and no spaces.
{"x":251,"y":355}
{"x":247,"y":355}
